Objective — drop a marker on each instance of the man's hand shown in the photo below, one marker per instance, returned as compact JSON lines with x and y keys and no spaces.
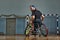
{"x":42,"y":18}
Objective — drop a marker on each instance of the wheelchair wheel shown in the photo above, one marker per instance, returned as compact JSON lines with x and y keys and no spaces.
{"x":44,"y":30}
{"x":28,"y":29}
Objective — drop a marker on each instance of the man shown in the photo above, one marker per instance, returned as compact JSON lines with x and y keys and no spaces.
{"x":37,"y":17}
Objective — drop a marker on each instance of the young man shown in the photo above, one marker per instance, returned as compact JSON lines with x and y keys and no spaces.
{"x":37,"y":17}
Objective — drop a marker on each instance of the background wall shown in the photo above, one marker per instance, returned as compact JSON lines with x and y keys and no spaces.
{"x":20,"y":25}
{"x":21,"y":7}
{"x":2,"y":26}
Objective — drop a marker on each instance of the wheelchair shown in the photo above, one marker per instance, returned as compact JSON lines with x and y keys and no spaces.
{"x":29,"y":30}
{"x":43,"y":30}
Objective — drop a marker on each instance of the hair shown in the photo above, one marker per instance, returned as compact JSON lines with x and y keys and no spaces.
{"x":32,"y":6}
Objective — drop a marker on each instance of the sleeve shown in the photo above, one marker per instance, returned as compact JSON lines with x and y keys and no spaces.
{"x":40,"y":13}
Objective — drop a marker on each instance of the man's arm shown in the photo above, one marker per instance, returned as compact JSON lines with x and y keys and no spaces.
{"x":42,"y":16}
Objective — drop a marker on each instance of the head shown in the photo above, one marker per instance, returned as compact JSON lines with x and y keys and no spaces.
{"x":32,"y":7}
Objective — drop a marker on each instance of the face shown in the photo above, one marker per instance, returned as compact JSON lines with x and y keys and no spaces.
{"x":32,"y":8}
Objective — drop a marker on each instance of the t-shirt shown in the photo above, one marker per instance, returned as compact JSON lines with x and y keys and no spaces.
{"x":37,"y":14}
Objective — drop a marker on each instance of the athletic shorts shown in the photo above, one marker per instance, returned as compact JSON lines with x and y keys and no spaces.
{"x":36,"y":23}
